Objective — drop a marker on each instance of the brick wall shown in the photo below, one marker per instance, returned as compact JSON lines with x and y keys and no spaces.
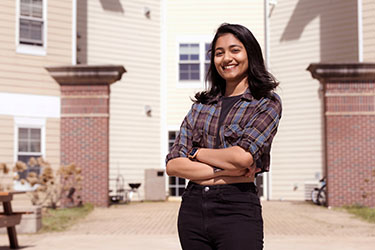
{"x":84,"y":137}
{"x":350,"y":135}
{"x":349,"y":97}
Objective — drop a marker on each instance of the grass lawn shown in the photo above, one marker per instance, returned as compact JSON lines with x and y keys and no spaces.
{"x":57,"y":220}
{"x":365,"y":213}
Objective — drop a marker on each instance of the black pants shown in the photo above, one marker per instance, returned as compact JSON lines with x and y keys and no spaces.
{"x":220,"y":217}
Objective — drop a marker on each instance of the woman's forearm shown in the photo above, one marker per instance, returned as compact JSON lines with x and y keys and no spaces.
{"x":226,"y":158}
{"x":192,"y":170}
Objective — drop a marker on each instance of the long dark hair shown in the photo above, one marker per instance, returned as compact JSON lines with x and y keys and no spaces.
{"x":261,"y":83}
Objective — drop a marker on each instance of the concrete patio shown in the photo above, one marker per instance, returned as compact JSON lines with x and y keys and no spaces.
{"x":152,"y":225}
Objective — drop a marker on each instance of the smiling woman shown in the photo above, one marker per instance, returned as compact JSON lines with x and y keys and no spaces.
{"x":224,"y":141}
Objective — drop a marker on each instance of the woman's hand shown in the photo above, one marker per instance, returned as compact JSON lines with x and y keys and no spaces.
{"x":252,"y":170}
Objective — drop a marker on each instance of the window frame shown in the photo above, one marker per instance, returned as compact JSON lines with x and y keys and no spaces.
{"x":28,"y":48}
{"x":202,"y":41}
{"x":23,"y":122}
{"x":177,"y":184}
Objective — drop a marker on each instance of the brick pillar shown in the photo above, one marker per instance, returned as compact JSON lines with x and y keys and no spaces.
{"x":349,"y":110}
{"x":85,"y":92}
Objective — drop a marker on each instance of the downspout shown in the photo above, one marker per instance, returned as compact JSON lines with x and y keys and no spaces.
{"x":163,"y":89}
{"x":266,"y":62}
{"x":360,"y":30}
{"x":74,"y":32}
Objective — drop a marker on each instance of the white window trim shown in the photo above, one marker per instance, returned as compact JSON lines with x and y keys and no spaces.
{"x":30,"y":49}
{"x":201,"y":40}
{"x":26,"y":122}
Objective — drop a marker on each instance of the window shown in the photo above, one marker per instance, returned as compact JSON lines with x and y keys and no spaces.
{"x":31,"y":26}
{"x":189,"y":61}
{"x":29,"y":145}
{"x":193,"y":61}
{"x":31,"y":22}
{"x":176,"y":184}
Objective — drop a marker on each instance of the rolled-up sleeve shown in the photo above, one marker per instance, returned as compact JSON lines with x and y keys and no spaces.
{"x":183,"y":141}
{"x":260,"y":130}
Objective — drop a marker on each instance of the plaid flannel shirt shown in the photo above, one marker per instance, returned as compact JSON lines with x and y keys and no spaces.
{"x":250,"y":124}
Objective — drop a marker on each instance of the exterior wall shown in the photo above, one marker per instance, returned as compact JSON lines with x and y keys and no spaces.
{"x":368,"y":31}
{"x":187,"y":21}
{"x":6,"y":141}
{"x":302,"y":32}
{"x":21,"y":71}
{"x":118,"y":32}
{"x":26,"y":89}
{"x":52,"y":154}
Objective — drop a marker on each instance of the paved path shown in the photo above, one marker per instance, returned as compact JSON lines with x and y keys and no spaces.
{"x":152,"y":226}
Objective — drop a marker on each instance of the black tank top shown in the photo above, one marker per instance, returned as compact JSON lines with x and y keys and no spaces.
{"x":226,"y":104}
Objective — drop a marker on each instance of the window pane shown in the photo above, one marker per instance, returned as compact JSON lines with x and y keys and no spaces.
{"x":194,"y":67}
{"x":36,"y":30}
{"x":22,"y":146}
{"x":172,"y":191}
{"x":184,"y":57}
{"x":184,"y":67}
{"x":172,"y":135}
{"x":25,"y":29}
{"x":194,"y":57}
{"x":172,"y":180}
{"x":35,"y":133}
{"x":181,"y":181}
{"x":184,"y":76}
{"x":23,"y":133}
{"x":26,"y":7}
{"x":25,"y":159}
{"x":37,"y":8}
{"x":35,"y":146}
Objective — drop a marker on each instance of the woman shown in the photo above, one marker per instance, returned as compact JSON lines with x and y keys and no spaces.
{"x":224,"y":141}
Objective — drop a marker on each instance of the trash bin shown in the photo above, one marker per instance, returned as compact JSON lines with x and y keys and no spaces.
{"x":155,"y":185}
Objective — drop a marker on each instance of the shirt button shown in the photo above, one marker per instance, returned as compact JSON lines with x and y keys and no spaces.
{"x":206,"y":189}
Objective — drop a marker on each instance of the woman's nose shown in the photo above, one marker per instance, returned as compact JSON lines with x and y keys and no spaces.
{"x":227,"y":57}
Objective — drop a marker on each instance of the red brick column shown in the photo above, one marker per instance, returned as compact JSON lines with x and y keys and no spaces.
{"x":85,"y":92}
{"x":349,"y":96}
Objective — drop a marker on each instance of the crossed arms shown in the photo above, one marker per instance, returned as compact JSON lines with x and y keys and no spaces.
{"x":234,"y":161}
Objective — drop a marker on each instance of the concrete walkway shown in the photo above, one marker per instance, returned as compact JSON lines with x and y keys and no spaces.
{"x":148,"y":225}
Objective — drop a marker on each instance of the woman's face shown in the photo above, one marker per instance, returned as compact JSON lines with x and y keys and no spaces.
{"x":230,"y":58}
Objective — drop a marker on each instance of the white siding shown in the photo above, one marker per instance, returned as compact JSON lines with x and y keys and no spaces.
{"x":368,"y":30}
{"x":118,"y":32}
{"x":21,"y":73}
{"x":304,"y":32}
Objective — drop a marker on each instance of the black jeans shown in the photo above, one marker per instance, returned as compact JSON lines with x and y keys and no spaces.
{"x":220,"y":217}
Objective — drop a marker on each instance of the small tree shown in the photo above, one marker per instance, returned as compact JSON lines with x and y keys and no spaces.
{"x":50,"y":189}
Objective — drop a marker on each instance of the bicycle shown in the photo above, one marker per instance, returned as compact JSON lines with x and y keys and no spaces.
{"x":319,"y":195}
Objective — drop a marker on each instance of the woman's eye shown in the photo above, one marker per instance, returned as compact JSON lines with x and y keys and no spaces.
{"x":235,"y":50}
{"x":218,"y":53}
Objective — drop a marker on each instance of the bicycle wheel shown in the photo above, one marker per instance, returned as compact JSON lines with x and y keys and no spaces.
{"x":322,"y":197}
{"x":314,"y":195}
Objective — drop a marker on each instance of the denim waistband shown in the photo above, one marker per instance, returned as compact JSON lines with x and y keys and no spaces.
{"x":243,"y":187}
